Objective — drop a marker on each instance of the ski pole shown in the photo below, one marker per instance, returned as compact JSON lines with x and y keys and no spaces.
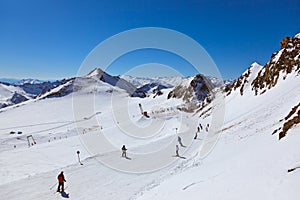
{"x":53,"y":186}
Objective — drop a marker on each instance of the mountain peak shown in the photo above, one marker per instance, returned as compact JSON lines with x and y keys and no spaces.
{"x":255,"y":64}
{"x":246,"y":78}
{"x":97,"y":72}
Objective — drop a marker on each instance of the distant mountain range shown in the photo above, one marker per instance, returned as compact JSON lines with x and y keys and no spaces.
{"x":22,"y":81}
{"x":23,"y":90}
{"x":192,"y":89}
{"x":15,"y":91}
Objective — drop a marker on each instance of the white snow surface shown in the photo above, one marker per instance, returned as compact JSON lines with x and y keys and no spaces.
{"x":248,"y":162}
{"x":276,"y":58}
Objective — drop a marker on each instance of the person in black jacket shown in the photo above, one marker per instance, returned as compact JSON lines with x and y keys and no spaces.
{"x":124,"y":151}
{"x":177,"y":150}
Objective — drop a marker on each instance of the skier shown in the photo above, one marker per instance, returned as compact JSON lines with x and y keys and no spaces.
{"x":207,"y":126}
{"x":124,"y":151}
{"x":177,"y":150}
{"x":61,"y":180}
{"x":200,"y":126}
{"x":196,"y":135}
{"x":180,"y":142}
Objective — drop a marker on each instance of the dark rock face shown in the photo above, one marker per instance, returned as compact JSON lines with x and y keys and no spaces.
{"x":18,"y":98}
{"x":291,"y":120}
{"x":197,"y":90}
{"x":241,"y":81}
{"x":155,"y":88}
{"x":281,"y":64}
{"x":41,"y":88}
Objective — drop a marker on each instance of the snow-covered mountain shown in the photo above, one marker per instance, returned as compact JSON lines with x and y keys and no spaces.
{"x":165,"y":81}
{"x":282,"y":64}
{"x":98,"y":74}
{"x":18,"y":82}
{"x":246,"y":79}
{"x":40,"y":88}
{"x":95,"y":81}
{"x":10,"y":95}
{"x":28,"y":81}
{"x":283,"y":68}
{"x":135,"y":87}
{"x":171,"y":81}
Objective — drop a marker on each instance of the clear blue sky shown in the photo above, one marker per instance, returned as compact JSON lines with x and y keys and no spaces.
{"x":50,"y":39}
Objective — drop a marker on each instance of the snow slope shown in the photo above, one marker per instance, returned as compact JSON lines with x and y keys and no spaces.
{"x":248,"y":162}
{"x":29,"y":173}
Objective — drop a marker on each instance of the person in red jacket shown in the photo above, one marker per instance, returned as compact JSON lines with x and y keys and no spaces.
{"x":61,"y":180}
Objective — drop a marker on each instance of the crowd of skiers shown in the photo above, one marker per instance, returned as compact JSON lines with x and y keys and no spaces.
{"x":179,"y":139}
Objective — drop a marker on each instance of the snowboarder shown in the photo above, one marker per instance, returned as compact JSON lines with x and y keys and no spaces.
{"x":124,"y":151}
{"x":61,"y":180}
{"x":180,"y":141}
{"x":177,"y":150}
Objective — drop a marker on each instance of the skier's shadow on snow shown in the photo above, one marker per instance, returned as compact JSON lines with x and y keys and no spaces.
{"x":182,"y":157}
{"x":64,"y":195}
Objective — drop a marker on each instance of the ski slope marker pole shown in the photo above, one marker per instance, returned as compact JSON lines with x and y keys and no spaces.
{"x":78,"y":152}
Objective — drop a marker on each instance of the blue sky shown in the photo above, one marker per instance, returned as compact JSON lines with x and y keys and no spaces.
{"x":50,"y":39}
